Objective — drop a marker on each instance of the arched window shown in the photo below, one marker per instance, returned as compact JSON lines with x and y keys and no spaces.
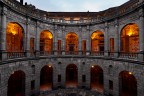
{"x":130,"y":38}
{"x":14,"y":37}
{"x":97,"y":41}
{"x":71,"y":43}
{"x":46,"y":41}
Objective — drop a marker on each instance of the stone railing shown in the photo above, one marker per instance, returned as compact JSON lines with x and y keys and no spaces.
{"x":121,"y":55}
{"x":12,"y":55}
{"x":129,"y":55}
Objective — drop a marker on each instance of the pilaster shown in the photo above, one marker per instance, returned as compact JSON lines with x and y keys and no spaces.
{"x":3,"y":34}
{"x":116,"y":40}
{"x":37,"y":41}
{"x":106,"y":41}
{"x":63,"y":41}
{"x":55,"y":44}
{"x":141,"y":35}
{"x":80,"y":41}
{"x":88,"y":41}
{"x":27,"y":38}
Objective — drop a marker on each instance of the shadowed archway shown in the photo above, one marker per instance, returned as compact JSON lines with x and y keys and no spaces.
{"x":46,"y":78}
{"x":127,"y":84}
{"x":71,"y":76}
{"x":16,"y":84}
{"x":97,"y":78}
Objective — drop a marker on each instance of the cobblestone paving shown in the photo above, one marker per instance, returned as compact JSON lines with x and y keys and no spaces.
{"x":71,"y":92}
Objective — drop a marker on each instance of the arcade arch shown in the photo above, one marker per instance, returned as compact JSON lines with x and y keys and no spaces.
{"x":14,"y":37}
{"x":72,"y":43}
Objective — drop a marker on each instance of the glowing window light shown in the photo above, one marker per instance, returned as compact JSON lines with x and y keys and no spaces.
{"x":49,"y":66}
{"x":130,"y":73}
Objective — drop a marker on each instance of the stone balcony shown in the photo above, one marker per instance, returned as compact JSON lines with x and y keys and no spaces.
{"x":122,"y":56}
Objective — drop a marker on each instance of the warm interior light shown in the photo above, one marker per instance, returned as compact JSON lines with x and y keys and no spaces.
{"x":47,"y":34}
{"x":130,"y":73}
{"x":92,"y":66}
{"x":13,"y":28}
{"x":14,"y":32}
{"x":130,"y":32}
{"x":50,"y":66}
{"x":96,"y":35}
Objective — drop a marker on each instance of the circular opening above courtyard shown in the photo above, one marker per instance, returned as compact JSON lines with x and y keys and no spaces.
{"x":75,"y":5}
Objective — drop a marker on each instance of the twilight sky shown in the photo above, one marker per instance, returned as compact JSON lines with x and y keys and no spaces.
{"x":75,"y":5}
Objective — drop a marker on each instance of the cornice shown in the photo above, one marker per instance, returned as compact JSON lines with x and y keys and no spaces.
{"x":109,"y":14}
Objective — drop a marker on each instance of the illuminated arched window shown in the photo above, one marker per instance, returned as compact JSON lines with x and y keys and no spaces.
{"x":130,"y":38}
{"x":72,"y":43}
{"x":14,"y":37}
{"x":46,"y":41}
{"x":97,"y":41}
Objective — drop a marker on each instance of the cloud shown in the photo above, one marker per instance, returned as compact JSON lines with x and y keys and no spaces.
{"x":75,"y":5}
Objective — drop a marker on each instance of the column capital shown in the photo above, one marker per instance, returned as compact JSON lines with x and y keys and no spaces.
{"x":141,"y":13}
{"x":4,"y":11}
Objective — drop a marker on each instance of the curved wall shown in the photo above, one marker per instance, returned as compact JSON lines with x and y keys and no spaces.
{"x":110,"y":27}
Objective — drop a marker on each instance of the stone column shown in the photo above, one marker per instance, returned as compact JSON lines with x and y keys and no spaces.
{"x":79,"y":70}
{"x":117,"y":41}
{"x":4,"y":83}
{"x":27,"y":86}
{"x":37,"y":40}
{"x":88,"y":41}
{"x":106,"y":41}
{"x":3,"y":35}
{"x":80,"y":41}
{"x":63,"y":41}
{"x":116,"y":85}
{"x":88,"y":74}
{"x":55,"y":40}
{"x":55,"y":77}
{"x":27,"y":39}
{"x":63,"y":74}
{"x":141,"y":35}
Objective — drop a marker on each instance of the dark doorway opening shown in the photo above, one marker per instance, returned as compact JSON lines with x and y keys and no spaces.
{"x":97,"y":78}
{"x":127,"y":84}
{"x":71,"y":76}
{"x":46,"y":78}
{"x":16,"y":84}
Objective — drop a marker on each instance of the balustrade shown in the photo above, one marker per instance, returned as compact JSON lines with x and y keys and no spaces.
{"x":128,"y":55}
{"x":121,"y":55}
{"x":12,"y":55}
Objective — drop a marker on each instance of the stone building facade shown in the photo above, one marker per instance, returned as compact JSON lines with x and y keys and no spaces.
{"x":117,"y":58}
